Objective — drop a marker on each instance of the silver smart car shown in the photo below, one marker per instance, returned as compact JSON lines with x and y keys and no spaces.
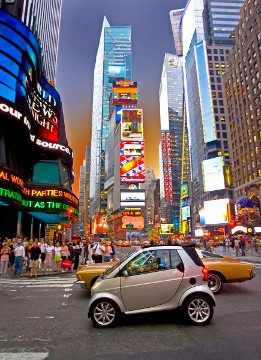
{"x":154,"y":278}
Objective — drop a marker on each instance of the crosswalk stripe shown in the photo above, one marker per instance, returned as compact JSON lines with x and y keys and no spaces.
{"x":24,"y":355}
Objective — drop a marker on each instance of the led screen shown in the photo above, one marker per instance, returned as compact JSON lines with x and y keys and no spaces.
{"x":215,"y":211}
{"x":132,"y":167}
{"x":132,"y":124}
{"x":22,"y":85}
{"x":125,"y":92}
{"x":185,"y":212}
{"x":166,"y":229}
{"x":133,"y":222}
{"x":213,"y":174}
{"x":134,"y":198}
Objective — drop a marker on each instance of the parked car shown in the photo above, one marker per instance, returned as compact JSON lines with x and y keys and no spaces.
{"x":153,"y":279}
{"x":223,"y":269}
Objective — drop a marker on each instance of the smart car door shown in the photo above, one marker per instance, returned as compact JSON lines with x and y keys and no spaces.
{"x":150,"y":279}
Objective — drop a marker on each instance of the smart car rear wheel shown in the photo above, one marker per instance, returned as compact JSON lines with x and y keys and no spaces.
{"x":105,"y":313}
{"x":215,"y":283}
{"x":198,"y":310}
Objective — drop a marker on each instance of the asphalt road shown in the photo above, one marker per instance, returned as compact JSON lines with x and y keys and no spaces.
{"x":45,"y":318}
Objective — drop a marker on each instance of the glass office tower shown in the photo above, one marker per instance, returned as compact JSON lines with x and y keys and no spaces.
{"x":208,"y":27}
{"x":43,"y":19}
{"x":171,"y":148}
{"x":113,"y":61}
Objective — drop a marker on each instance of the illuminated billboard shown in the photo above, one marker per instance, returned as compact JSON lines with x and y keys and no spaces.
{"x":215,"y":211}
{"x":166,"y":229}
{"x":117,"y":71}
{"x":184,"y":190}
{"x":133,"y":222}
{"x":22,"y":85}
{"x":125,"y":92}
{"x":185,"y":212}
{"x":134,"y":198}
{"x":132,"y":166}
{"x":167,"y":165}
{"x":99,"y":223}
{"x":213,"y":174}
{"x":132,"y":124}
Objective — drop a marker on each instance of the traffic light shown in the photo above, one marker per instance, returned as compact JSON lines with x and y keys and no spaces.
{"x":70,"y":214}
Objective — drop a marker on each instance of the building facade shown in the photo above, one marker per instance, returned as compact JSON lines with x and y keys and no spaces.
{"x":208,"y":34}
{"x":243,"y":95}
{"x":113,"y":61}
{"x":36,"y":163}
{"x":43,"y":19}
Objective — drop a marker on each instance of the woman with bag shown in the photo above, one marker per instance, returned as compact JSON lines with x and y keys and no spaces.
{"x":49,"y":255}
{"x":100,"y":249}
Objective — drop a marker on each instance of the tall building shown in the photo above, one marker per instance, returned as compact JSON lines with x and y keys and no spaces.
{"x":175,"y":20}
{"x":43,"y":19}
{"x":243,"y":94}
{"x":113,"y":62}
{"x":171,"y":97}
{"x":208,"y":27}
{"x":149,"y":186}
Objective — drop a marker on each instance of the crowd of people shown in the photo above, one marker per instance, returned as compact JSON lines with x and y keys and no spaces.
{"x":103,"y":251}
{"x":241,"y":244}
{"x":45,"y":255}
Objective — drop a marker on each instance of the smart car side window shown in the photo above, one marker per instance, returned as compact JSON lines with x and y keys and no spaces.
{"x":175,"y":259}
{"x":149,"y":261}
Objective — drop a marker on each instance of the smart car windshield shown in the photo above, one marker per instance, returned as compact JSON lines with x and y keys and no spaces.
{"x":116,"y":263}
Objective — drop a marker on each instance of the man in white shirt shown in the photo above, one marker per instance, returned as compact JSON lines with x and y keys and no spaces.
{"x":19,"y":254}
{"x":100,"y":249}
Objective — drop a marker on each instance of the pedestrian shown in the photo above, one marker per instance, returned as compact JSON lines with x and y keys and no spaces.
{"x":86,"y":252}
{"x":11,"y":245}
{"x":224,"y":245}
{"x":49,"y":255}
{"x":19,"y":254}
{"x":236,"y":244}
{"x":243,"y":245}
{"x":107,"y":253}
{"x":28,"y":247}
{"x":64,"y":251}
{"x":35,"y":258}
{"x":76,"y":256}
{"x":99,"y":251}
{"x":57,"y":256}
{"x":43,"y":247}
{"x":255,"y":245}
{"x":5,"y":253}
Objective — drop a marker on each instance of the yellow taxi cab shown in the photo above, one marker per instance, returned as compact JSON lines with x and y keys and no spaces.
{"x":223,"y":269}
{"x":87,"y":274}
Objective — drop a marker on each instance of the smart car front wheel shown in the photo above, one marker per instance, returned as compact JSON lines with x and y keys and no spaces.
{"x":105,"y":314}
{"x":198,"y":310}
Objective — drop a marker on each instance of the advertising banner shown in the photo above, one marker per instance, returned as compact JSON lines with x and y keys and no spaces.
{"x":125,"y":92}
{"x":132,"y":166}
{"x":132,"y":124}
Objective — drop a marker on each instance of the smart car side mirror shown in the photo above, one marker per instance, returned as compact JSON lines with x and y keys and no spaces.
{"x":125,"y":273}
{"x":180,"y":267}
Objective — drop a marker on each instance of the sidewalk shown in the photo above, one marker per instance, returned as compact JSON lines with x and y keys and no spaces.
{"x":251,"y":255}
{"x":10,"y":274}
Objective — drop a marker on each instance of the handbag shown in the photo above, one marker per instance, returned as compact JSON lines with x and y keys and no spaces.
{"x":66,"y":264}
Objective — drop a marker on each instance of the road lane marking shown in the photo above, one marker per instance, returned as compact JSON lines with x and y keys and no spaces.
{"x":24,"y":355}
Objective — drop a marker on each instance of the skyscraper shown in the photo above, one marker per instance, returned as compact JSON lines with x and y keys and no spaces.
{"x":243,"y":95}
{"x":171,"y":97}
{"x":43,"y":19}
{"x":207,"y":38}
{"x":113,"y":61}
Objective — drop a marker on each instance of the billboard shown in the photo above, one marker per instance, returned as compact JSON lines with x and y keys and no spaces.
{"x":215,"y":211}
{"x":125,"y":92}
{"x":99,"y":223}
{"x":166,"y":229}
{"x":133,"y":222}
{"x":132,"y":124}
{"x":132,"y":166}
{"x":185,"y":212}
{"x":22,"y":84}
{"x":213,"y":174}
{"x":184,"y":190}
{"x":134,"y":198}
{"x":167,"y":166}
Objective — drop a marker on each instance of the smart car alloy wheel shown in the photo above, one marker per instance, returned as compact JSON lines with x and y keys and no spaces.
{"x":198,"y":310}
{"x":104,"y":314}
{"x":215,"y":282}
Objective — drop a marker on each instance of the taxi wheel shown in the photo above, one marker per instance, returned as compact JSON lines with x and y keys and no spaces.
{"x":215,"y":282}
{"x":105,"y":313}
{"x":198,"y":310}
